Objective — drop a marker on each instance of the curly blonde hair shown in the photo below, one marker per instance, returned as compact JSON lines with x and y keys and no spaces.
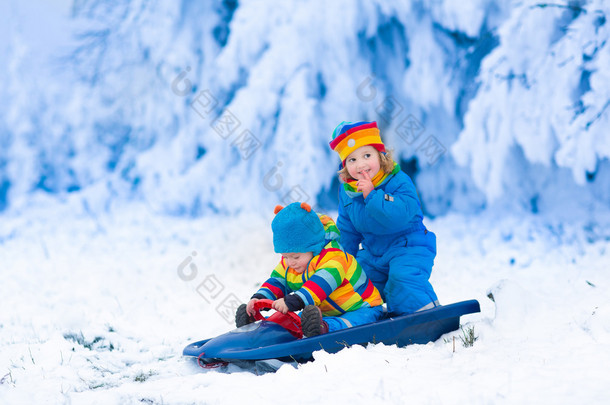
{"x":386,"y":163}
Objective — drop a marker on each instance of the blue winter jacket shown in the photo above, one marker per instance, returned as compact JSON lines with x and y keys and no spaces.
{"x":385,"y":218}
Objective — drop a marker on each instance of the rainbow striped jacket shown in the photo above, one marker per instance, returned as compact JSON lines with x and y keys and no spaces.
{"x":334,"y":280}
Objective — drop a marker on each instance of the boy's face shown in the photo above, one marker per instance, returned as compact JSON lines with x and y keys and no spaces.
{"x":363,"y":163}
{"x":298,"y":261}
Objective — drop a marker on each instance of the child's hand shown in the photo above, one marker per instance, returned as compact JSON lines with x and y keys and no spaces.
{"x":365,"y":185}
{"x":280,"y":306}
{"x":250,"y":307}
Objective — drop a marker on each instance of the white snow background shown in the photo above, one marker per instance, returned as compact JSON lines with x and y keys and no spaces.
{"x":111,"y":182}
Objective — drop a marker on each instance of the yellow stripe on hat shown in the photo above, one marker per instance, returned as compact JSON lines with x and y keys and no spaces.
{"x":356,"y":140}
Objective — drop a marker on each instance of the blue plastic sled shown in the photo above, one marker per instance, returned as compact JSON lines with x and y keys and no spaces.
{"x":268,"y":340}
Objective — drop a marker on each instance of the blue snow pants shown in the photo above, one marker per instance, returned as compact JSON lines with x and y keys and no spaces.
{"x":354,"y":318}
{"x":402,"y":272}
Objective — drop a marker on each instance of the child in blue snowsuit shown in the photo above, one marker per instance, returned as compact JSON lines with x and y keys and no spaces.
{"x":380,"y":209}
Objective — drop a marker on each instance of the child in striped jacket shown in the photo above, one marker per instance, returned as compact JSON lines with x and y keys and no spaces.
{"x":315,"y":275}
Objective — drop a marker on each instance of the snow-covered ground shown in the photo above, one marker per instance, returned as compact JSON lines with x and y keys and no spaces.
{"x":98,"y":310}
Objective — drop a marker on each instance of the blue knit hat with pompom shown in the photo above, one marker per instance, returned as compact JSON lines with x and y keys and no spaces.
{"x":297,"y":229}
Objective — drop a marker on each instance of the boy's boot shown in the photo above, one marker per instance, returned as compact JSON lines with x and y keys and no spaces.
{"x":312,"y":322}
{"x":241,"y":316}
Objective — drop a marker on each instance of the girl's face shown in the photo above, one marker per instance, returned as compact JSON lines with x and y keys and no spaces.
{"x":362,"y":162}
{"x":298,"y":261}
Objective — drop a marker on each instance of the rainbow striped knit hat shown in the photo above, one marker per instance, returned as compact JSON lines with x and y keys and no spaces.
{"x":349,"y":136}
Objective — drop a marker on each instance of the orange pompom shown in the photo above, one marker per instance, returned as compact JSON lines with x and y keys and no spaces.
{"x":306,"y":207}
{"x":277,"y":209}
